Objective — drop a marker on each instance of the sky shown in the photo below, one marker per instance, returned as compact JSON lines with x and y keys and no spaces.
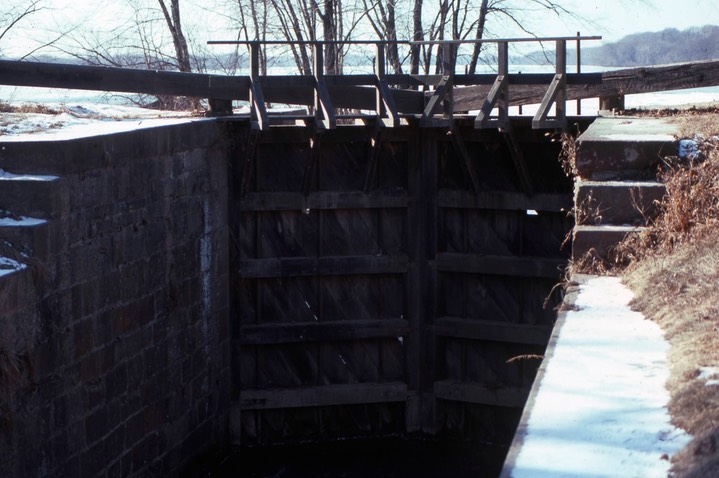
{"x":615,"y":19}
{"x":612,"y":19}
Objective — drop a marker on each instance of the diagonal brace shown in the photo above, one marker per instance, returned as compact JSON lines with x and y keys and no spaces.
{"x":558,"y":87}
{"x":497,"y":94}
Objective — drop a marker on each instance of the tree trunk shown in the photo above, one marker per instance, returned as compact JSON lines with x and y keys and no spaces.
{"x":178,"y":37}
{"x":417,"y":35}
{"x":478,"y":36}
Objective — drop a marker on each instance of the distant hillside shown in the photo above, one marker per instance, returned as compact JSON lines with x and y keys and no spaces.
{"x":651,"y":48}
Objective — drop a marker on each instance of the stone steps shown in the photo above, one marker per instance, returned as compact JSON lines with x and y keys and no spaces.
{"x":27,"y":235}
{"x":27,"y":203}
{"x":31,"y":195}
{"x":599,"y":241}
{"x":617,"y":202}
{"x":615,"y":193}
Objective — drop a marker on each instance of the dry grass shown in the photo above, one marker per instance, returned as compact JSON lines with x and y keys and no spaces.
{"x":28,"y":108}
{"x":674,"y":272}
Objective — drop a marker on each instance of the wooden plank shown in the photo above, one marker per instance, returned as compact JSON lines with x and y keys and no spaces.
{"x":128,"y":80}
{"x":352,"y":97}
{"x":492,"y":330}
{"x":454,"y":390}
{"x":323,"y":396}
{"x":322,"y":266}
{"x":613,"y":83}
{"x":283,"y":201}
{"x":505,"y":200}
{"x":537,"y":267}
{"x":303,"y":332}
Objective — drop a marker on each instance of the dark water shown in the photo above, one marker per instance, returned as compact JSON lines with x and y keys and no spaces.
{"x":383,"y":458}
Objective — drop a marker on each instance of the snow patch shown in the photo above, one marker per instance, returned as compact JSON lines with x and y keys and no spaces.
{"x":710,"y":375}
{"x":82,"y":120}
{"x":8,"y":266}
{"x":22,"y":221}
{"x":7,"y":176}
{"x":600,"y":409}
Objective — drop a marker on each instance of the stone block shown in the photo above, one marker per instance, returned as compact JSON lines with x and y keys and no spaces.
{"x":598,"y":241}
{"x":26,"y":195}
{"x":617,"y":202}
{"x":621,"y":147}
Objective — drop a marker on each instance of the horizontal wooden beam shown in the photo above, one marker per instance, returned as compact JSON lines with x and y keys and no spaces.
{"x":504,"y":200}
{"x":613,"y":83}
{"x":512,"y":397}
{"x":271,"y":334}
{"x":347,"y":91}
{"x":127,"y":80}
{"x":530,"y":267}
{"x":323,"y":396}
{"x":322,"y":266}
{"x":493,"y":331}
{"x":324,"y":200}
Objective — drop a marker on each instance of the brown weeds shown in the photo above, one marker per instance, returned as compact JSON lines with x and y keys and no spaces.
{"x":674,"y":272}
{"x":28,"y":108}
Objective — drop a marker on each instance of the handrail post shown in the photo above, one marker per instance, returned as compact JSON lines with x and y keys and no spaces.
{"x":258,"y":112}
{"x":561,"y":69}
{"x":318,"y":70}
{"x":324,"y":111}
{"x":503,"y":71}
{"x":448,"y":73}
{"x":380,"y":73}
{"x":579,"y":68}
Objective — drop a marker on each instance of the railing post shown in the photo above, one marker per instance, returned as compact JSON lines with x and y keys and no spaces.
{"x":380,"y":72}
{"x":324,"y":111}
{"x":318,"y":70}
{"x":258,"y":112}
{"x":579,"y":69}
{"x":503,"y":71}
{"x":561,"y":69}
{"x":448,"y":73}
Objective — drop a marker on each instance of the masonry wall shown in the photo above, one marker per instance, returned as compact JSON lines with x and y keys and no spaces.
{"x":114,"y":352}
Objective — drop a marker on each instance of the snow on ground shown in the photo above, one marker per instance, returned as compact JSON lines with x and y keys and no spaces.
{"x":8,"y":266}
{"x":601,"y":407}
{"x":75,"y":120}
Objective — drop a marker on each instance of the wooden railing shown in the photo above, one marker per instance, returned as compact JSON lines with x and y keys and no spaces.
{"x":436,"y":108}
{"x":433,"y":100}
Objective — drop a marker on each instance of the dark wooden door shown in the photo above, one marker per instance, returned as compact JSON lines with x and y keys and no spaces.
{"x":384,"y":281}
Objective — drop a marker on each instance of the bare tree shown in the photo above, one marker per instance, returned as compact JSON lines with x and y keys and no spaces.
{"x":11,"y":15}
{"x":172,"y":17}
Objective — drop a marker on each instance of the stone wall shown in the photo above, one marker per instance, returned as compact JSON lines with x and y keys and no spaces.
{"x":114,"y":355}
